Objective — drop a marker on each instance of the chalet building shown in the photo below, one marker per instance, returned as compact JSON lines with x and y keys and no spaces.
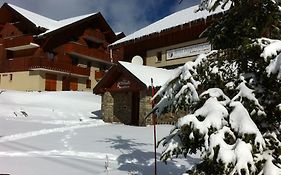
{"x":38,"y":53}
{"x":167,"y":43}
{"x":171,"y":41}
{"x":126,"y":93}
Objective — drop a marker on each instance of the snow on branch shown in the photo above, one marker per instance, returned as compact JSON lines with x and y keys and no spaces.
{"x":270,"y":168}
{"x":181,"y":88}
{"x":271,"y":48}
{"x":238,"y":154}
{"x":211,"y":5}
{"x":173,"y":146}
{"x":242,"y":123}
{"x":245,"y":92}
{"x":274,"y":67}
{"x":226,"y":154}
{"x":213,"y":112}
{"x":244,"y":158}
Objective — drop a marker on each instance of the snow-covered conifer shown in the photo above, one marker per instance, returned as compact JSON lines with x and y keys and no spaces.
{"x":232,"y":95}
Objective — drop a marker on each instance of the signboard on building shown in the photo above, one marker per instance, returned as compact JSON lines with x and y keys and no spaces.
{"x":188,"y":51}
{"x":123,"y":84}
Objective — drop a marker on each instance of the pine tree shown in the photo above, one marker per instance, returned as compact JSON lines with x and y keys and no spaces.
{"x":233,"y":94}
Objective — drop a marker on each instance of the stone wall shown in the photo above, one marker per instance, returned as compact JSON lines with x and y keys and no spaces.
{"x":122,"y":108}
{"x":117,"y":107}
{"x":145,"y":108}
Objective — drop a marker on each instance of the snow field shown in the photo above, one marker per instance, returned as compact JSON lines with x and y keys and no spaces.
{"x":61,"y":133}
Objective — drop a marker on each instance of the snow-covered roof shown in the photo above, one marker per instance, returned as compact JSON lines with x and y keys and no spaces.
{"x":145,"y":73}
{"x":176,"y":19}
{"x":36,"y":19}
{"x":118,"y":33}
{"x":47,"y":23}
{"x":68,"y":21}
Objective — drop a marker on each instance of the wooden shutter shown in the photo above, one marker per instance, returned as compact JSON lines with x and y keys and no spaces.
{"x":51,"y":82}
{"x":74,"y":84}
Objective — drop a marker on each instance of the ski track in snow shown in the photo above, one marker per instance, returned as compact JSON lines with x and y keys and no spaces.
{"x":49,"y":131}
{"x":56,"y":153}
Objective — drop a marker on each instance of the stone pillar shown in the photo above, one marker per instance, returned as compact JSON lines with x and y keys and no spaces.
{"x":145,"y":108}
{"x":107,"y":107}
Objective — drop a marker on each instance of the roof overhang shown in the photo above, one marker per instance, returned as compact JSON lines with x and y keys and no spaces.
{"x":124,"y":42}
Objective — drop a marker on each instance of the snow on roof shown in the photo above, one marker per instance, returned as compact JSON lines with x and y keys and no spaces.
{"x":68,"y":21}
{"x":145,"y":73}
{"x":45,"y":22}
{"x":176,"y":19}
{"x":118,"y":33}
{"x":36,"y":19}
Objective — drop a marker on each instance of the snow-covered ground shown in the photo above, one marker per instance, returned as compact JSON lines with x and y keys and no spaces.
{"x":61,"y":133}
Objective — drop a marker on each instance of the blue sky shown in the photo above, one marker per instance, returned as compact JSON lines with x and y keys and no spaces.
{"x":122,"y":15}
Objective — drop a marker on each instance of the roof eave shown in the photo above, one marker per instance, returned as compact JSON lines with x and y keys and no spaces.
{"x":15,"y":11}
{"x":152,"y":35}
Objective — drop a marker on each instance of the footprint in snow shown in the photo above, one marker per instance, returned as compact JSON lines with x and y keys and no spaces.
{"x":66,"y":139}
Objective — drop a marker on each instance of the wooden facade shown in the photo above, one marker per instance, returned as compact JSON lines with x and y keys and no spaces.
{"x":72,"y":51}
{"x":186,"y":34}
{"x":174,"y":36}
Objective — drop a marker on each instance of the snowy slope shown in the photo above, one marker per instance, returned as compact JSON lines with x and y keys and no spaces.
{"x":61,"y":133}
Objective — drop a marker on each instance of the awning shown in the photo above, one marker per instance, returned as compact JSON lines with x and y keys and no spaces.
{"x":23,"y":47}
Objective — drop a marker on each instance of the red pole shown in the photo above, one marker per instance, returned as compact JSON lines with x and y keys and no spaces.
{"x":154,"y":128}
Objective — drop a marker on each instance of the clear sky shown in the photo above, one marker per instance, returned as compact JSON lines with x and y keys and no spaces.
{"x":122,"y":15}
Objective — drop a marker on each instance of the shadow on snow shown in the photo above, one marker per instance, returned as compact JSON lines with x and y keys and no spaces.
{"x":137,"y":161}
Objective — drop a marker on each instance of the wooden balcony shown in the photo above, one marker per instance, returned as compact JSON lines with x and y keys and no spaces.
{"x":33,"y":63}
{"x":17,"y":40}
{"x":84,"y":50}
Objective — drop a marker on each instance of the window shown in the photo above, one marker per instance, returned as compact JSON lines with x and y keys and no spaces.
{"x":88,"y":83}
{"x":11,"y":77}
{"x":10,"y":54}
{"x":74,"y":38}
{"x":89,"y":64}
{"x":159,"y":57}
{"x":74,"y":61}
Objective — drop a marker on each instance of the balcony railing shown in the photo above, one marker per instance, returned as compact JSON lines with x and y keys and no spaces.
{"x":17,"y":40}
{"x":81,"y":49}
{"x":29,"y":63}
